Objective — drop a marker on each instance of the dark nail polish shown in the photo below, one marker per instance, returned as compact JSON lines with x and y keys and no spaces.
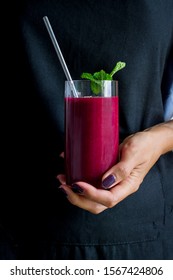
{"x":76,"y":188}
{"x":63,"y":191}
{"x":108,"y":181}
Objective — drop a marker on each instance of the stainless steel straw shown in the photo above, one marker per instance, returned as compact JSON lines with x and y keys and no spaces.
{"x":60,"y":56}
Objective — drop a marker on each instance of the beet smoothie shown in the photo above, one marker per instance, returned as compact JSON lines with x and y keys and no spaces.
{"x":92,"y":137}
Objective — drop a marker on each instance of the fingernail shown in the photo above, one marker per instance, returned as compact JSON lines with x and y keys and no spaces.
{"x":108,"y":181}
{"x":63,"y":191}
{"x":76,"y":188}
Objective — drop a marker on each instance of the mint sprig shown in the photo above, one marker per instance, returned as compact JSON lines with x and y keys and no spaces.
{"x":97,"y":78}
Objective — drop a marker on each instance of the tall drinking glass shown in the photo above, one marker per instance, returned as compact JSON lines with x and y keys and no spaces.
{"x":91,"y":131}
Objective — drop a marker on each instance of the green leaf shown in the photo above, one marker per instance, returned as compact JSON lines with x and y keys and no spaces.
{"x":96,"y":87}
{"x":95,"y":81}
{"x":120,"y":65}
{"x":87,"y":76}
{"x":102,"y":75}
{"x":97,"y":78}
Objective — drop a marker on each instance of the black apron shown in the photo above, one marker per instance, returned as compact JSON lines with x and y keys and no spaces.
{"x":93,"y":35}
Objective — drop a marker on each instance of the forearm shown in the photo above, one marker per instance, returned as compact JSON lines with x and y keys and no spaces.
{"x":162,"y":134}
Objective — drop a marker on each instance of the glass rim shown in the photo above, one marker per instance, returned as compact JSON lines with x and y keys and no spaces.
{"x":81,"y":80}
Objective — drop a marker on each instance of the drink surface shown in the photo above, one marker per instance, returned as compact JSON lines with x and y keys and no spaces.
{"x":92,"y":137}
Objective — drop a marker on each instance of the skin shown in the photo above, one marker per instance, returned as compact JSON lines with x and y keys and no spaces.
{"x":138,"y":153}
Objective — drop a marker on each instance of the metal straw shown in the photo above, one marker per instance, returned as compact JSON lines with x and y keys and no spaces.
{"x":59,"y":53}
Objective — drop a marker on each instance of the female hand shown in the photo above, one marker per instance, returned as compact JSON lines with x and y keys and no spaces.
{"x":138,"y":153}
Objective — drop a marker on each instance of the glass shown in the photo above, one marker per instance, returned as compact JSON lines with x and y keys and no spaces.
{"x":91,"y":131}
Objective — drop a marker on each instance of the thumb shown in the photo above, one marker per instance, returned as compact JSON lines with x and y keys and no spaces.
{"x":117,"y":173}
{"x":129,"y":159}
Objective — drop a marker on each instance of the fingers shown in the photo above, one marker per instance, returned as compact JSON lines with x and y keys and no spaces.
{"x":61,"y":178}
{"x":82,"y":201}
{"x":86,"y":196}
{"x":96,"y":200}
{"x":62,"y":155}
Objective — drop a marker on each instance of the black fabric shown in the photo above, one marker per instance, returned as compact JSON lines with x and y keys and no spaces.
{"x":37,"y":222}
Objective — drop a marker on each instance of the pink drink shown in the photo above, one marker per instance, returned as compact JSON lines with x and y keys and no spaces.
{"x":92,"y":137}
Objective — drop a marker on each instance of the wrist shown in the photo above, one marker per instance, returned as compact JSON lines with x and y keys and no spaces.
{"x":162,"y":134}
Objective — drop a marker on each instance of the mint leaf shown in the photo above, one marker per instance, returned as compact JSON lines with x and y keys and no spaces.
{"x":96,"y":86}
{"x":99,"y":75}
{"x":95,"y":82}
{"x":87,"y":76}
{"x":120,"y":65}
{"x":97,"y":78}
